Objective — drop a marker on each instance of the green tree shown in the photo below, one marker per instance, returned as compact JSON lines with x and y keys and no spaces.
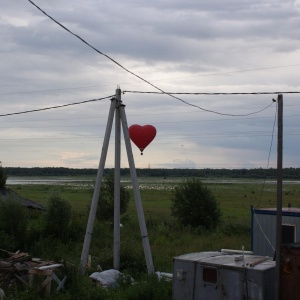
{"x":58,"y":216}
{"x":105,"y":209}
{"x":3,"y":177}
{"x":193,"y":204}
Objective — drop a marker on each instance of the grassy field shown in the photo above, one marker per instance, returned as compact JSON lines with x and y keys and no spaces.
{"x":235,"y":198}
{"x":167,"y":238}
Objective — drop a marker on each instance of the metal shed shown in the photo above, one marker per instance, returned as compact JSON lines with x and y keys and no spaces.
{"x":221,"y":275}
{"x":263,"y":229}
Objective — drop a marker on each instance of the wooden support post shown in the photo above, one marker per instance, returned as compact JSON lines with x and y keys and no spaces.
{"x":46,"y":283}
{"x":47,"y":271}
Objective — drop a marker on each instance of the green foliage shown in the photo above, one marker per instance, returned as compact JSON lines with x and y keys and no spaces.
{"x":58,"y":217}
{"x":132,"y":257}
{"x":3,"y":177}
{"x":13,"y":223}
{"x":105,"y":208}
{"x":148,"y":287}
{"x":167,"y":237}
{"x":8,"y":241}
{"x":80,"y":287}
{"x":193,"y":204}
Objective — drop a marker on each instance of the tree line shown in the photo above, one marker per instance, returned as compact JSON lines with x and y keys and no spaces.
{"x":258,"y":173}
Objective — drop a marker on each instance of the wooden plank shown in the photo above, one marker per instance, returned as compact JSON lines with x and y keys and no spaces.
{"x":61,"y":285}
{"x":47,"y":281}
{"x":19,"y":257}
{"x":47,"y":284}
{"x":54,"y":266}
{"x":59,"y":282}
{"x":7,"y":252}
{"x":5,"y":264}
{"x":258,"y":261}
{"x":20,"y":279}
{"x":40,"y":272}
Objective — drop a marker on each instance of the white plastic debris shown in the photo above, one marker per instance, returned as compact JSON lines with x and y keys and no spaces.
{"x":166,"y":276}
{"x":108,"y":278}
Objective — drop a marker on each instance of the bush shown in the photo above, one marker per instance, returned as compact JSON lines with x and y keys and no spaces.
{"x":13,"y":222}
{"x":3,"y":177}
{"x":149,"y":287}
{"x":105,"y":209}
{"x":58,"y":217}
{"x":193,"y":204}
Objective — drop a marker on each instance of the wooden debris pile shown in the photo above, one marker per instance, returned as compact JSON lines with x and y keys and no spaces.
{"x":20,"y":268}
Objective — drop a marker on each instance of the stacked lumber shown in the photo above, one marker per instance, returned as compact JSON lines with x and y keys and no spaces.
{"x":19,"y":267}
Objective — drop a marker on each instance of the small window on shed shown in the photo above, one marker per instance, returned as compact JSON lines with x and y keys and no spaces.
{"x":210,"y":275}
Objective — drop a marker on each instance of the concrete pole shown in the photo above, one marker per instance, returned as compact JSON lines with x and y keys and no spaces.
{"x":117,"y":180}
{"x":94,"y":203}
{"x":137,"y":195}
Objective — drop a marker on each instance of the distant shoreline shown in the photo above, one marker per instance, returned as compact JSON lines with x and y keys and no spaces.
{"x":257,"y":173}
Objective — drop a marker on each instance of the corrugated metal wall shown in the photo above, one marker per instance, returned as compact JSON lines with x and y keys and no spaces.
{"x":264,"y":230}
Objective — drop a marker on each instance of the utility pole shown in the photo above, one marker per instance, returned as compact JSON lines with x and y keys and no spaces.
{"x":279,"y":196}
{"x":96,"y":193}
{"x":120,"y":118}
{"x":137,"y":194}
{"x":117,"y":179}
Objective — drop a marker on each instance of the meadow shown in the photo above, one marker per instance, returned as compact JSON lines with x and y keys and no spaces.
{"x":167,"y":238}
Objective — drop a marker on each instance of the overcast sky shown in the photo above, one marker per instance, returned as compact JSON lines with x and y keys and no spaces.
{"x":210,"y":46}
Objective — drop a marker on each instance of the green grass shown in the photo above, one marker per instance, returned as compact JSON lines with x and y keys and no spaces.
{"x":79,"y":197}
{"x":167,"y":238}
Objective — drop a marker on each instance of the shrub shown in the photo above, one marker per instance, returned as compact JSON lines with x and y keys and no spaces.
{"x":148,"y":287}
{"x":193,"y":204}
{"x":105,"y":209}
{"x":13,"y":221}
{"x":58,"y":216}
{"x":3,"y":177}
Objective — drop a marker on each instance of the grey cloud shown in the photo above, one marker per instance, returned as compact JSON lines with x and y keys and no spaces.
{"x":177,"y":45}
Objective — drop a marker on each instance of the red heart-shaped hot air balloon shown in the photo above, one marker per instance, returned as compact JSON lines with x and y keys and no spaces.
{"x":142,"y":136}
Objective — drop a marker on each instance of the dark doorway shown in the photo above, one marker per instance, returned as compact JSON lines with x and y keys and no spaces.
{"x":288,"y":233}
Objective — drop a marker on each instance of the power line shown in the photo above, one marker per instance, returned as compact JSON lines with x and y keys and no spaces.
{"x":134,"y":74}
{"x":51,"y":90}
{"x":269,"y":155}
{"x":155,"y":80}
{"x":94,"y":48}
{"x":54,"y":107}
{"x":237,"y":71}
{"x":214,"y":93}
{"x":166,"y":138}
